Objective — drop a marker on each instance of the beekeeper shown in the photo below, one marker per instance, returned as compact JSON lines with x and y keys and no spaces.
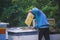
{"x":42,"y":23}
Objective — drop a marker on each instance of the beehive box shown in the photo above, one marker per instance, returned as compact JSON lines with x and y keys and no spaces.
{"x":51,"y":21}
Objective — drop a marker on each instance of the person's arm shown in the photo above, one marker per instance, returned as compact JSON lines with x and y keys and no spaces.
{"x":34,"y":27}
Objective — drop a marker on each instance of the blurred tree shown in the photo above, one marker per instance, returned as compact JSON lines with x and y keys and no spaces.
{"x":48,"y":6}
{"x":58,"y":14}
{"x":22,"y":7}
{"x":4,"y":4}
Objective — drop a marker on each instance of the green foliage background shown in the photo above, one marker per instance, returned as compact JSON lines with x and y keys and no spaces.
{"x":48,"y":6}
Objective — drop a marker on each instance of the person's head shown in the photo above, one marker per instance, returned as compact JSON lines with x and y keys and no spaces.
{"x":34,"y":10}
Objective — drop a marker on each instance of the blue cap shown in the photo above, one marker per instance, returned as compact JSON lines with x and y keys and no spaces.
{"x":35,"y":10}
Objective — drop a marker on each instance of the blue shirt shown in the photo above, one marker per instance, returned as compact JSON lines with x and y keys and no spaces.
{"x":41,"y":19}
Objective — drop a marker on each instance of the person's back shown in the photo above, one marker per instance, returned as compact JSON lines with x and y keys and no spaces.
{"x":40,"y":18}
{"x":41,"y":23}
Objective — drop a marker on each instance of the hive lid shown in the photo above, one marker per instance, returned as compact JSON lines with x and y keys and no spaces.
{"x":2,"y":24}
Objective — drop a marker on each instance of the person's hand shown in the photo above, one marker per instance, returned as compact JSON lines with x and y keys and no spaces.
{"x":32,"y":28}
